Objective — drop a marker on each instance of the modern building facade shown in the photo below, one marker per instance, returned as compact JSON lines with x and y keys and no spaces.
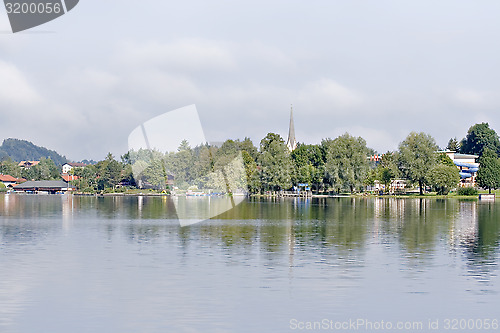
{"x":467,"y":165}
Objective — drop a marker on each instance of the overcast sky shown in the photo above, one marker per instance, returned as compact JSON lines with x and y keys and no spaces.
{"x":377,"y":69}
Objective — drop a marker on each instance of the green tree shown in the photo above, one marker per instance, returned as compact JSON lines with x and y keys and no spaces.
{"x":387,"y":170}
{"x":488,"y":175}
{"x":308,"y":161}
{"x":87,"y":181}
{"x":443,"y":178}
{"x":444,"y":159}
{"x":9,"y":167}
{"x":453,"y":145}
{"x":252,"y":172}
{"x":30,"y":173}
{"x":307,"y":155}
{"x":275,"y":163}
{"x":109,"y":172}
{"x":346,"y":161}
{"x":479,"y":137}
{"x":46,"y":170}
{"x":248,"y":146}
{"x":155,"y":173}
{"x":203,"y":164}
{"x":417,"y":155}
{"x":181,"y":165}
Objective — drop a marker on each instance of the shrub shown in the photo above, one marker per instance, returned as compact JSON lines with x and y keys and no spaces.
{"x":467,"y":191}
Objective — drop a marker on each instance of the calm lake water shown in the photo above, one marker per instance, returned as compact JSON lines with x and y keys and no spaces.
{"x":124,"y":264}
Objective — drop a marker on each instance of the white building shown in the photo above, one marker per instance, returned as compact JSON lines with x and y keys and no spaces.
{"x":467,"y":165}
{"x":67,"y":167}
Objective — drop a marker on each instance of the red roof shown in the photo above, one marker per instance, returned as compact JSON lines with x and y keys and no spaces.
{"x":7,"y":178}
{"x":76,"y":165}
{"x":68,"y":178}
{"x":28,"y":163}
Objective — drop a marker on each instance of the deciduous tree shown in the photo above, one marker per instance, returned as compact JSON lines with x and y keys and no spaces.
{"x":488,"y":175}
{"x":275,"y":163}
{"x":443,"y":178}
{"x":346,"y":161}
{"x":417,"y":155}
{"x":479,"y":137}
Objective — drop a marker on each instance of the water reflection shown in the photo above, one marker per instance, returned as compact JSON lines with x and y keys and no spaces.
{"x":417,"y":225}
{"x":379,"y":250}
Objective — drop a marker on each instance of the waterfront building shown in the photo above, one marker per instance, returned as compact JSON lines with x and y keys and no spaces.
{"x":467,"y":165}
{"x":44,"y":186}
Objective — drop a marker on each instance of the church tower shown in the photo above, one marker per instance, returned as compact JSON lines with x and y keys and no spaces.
{"x":291,"y":143}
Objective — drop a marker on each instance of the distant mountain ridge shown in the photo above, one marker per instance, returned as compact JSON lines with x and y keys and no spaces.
{"x":22,"y":150}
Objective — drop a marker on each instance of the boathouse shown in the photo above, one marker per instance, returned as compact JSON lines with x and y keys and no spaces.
{"x":44,"y":186}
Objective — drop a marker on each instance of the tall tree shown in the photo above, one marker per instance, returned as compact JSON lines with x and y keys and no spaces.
{"x":453,"y":145}
{"x":275,"y":163}
{"x":417,"y":155}
{"x":308,"y":161}
{"x":346,"y":161}
{"x":88,"y":178}
{"x":479,"y":137}
{"x":252,"y":172}
{"x":47,"y":170}
{"x":488,"y":175}
{"x":109,"y":172}
{"x":249,"y":147}
{"x":181,"y":165}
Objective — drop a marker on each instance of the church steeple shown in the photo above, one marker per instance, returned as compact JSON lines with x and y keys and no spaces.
{"x":291,"y":143}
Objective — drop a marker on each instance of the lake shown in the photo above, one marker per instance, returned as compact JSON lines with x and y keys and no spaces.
{"x":125,"y":264}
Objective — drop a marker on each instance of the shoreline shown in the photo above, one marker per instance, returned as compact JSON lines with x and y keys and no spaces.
{"x":314,"y":196}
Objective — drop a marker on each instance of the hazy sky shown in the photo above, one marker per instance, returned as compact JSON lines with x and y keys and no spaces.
{"x":377,"y":69}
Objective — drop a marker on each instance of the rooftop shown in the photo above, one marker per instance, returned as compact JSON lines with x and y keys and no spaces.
{"x":28,"y":163}
{"x":7,"y":178}
{"x":76,"y":165}
{"x":43,"y":184}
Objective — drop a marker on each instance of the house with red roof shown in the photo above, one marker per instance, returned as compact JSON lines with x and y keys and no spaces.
{"x":67,"y":167}
{"x":10,"y":181}
{"x":27,"y":164}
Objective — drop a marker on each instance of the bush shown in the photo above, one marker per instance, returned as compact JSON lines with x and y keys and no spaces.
{"x":467,"y":191}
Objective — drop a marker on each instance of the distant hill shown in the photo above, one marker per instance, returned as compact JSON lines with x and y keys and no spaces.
{"x":22,"y":150}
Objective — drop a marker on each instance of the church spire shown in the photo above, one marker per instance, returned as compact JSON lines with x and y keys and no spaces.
{"x":291,"y":143}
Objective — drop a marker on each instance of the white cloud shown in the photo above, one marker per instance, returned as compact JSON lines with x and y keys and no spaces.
{"x":263,"y":55}
{"x":4,"y":24}
{"x":326,"y":95}
{"x":471,"y":98}
{"x":180,"y":56}
{"x":159,"y":87}
{"x":15,"y":88}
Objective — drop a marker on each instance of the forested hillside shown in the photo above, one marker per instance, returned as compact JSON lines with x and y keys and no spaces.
{"x":21,"y":150}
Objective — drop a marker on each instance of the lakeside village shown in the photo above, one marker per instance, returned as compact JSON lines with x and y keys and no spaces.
{"x":341,"y":166}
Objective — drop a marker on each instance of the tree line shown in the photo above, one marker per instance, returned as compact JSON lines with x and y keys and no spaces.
{"x":336,"y":165}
